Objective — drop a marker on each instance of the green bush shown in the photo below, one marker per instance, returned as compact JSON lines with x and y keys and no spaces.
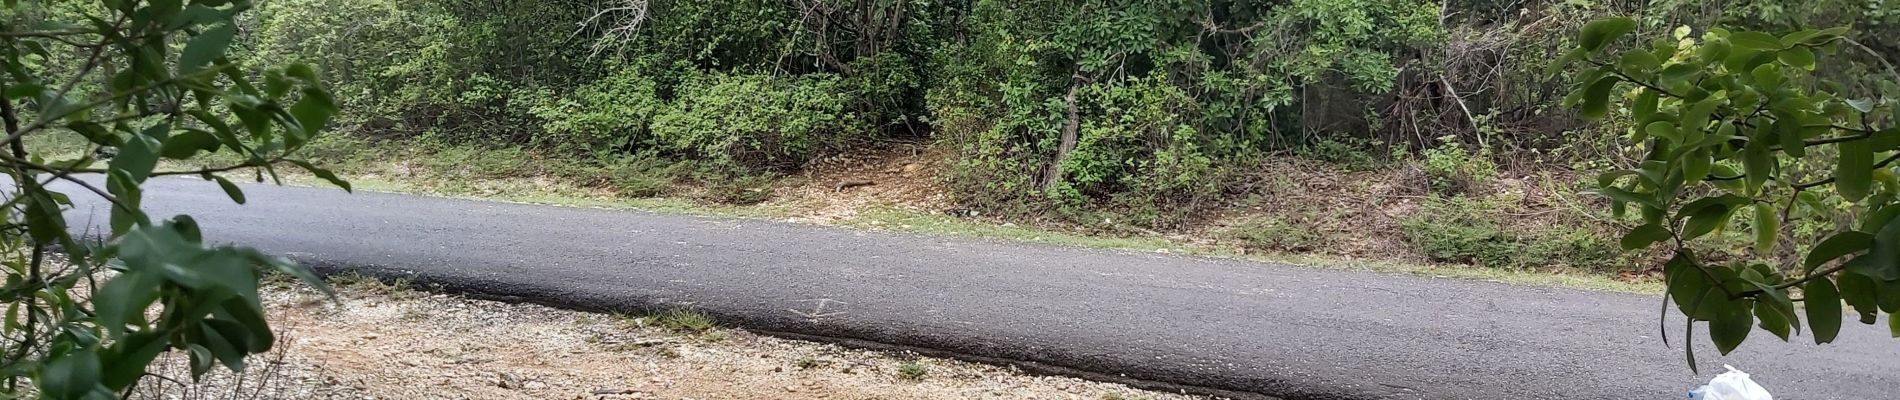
{"x":1466,"y":230}
{"x":755,"y":122}
{"x":1458,"y":229}
{"x":1453,"y":169}
{"x":610,"y":113}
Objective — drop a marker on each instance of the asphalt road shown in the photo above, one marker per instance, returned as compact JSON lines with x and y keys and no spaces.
{"x":1237,"y":327}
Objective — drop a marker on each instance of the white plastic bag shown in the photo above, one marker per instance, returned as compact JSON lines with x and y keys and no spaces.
{"x":1731,"y":385}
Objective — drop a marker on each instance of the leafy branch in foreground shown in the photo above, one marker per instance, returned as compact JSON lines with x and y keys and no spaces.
{"x":1734,"y":124}
{"x":143,"y":81}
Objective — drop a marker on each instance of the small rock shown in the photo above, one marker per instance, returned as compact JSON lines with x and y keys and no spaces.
{"x":912,"y":167}
{"x":534,"y":385}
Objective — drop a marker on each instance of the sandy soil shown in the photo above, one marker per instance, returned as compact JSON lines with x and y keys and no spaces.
{"x":389,"y":343}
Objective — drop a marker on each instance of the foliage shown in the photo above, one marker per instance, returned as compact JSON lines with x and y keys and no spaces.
{"x":144,"y":82}
{"x":606,"y":114}
{"x":1295,"y":231}
{"x":754,"y":122}
{"x":1453,"y":169}
{"x":1734,"y":123}
{"x":912,"y":371}
{"x":1468,"y":230}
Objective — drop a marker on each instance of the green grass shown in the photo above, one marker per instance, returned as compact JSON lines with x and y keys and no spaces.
{"x":912,"y":371}
{"x":524,"y":190}
{"x":684,"y":320}
{"x":901,"y":220}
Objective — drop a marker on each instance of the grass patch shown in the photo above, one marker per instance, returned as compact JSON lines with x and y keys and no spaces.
{"x":1553,"y":245}
{"x":912,"y":371}
{"x":683,"y":320}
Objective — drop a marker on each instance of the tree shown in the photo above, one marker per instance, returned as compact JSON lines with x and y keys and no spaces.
{"x":140,"y":82}
{"x":1733,"y":123}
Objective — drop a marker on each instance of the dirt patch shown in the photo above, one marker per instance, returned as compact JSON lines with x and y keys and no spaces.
{"x":398,"y":344}
{"x":836,"y":188}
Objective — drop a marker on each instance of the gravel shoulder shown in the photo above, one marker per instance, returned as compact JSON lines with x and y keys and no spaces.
{"x":389,"y":342}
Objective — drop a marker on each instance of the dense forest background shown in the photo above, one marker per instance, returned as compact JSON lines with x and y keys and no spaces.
{"x":1118,"y":116}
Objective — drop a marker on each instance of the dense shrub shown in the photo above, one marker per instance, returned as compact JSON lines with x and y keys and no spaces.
{"x":755,"y":122}
{"x":606,"y":114}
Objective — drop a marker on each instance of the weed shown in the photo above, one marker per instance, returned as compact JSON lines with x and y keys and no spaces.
{"x":1453,"y":169}
{"x":715,"y":336}
{"x":400,"y":287}
{"x":807,"y":362}
{"x":912,"y":371}
{"x":1458,"y":229}
{"x":684,"y":320}
{"x":1466,"y":230}
{"x":1299,"y":230}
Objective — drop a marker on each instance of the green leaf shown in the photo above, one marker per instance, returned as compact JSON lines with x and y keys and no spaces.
{"x":1767,"y":76}
{"x":324,"y":174}
{"x":1713,"y":51}
{"x":1767,"y":228}
{"x":1645,"y":106}
{"x":124,"y":298}
{"x":1861,"y":105}
{"x":201,"y":359}
{"x":226,"y":341}
{"x":1883,"y":262}
{"x":230,"y":189}
{"x":1688,"y":281}
{"x":1893,"y":325}
{"x":1758,"y":164}
{"x":1705,"y":220}
{"x":1644,"y":236}
{"x":71,"y":375}
{"x":1638,"y":63}
{"x":126,"y":361}
{"x":1860,"y":292}
{"x":1789,"y":131}
{"x":313,"y":111}
{"x":1731,"y":326}
{"x":1618,"y":194}
{"x":1888,"y":296}
{"x":1755,"y":41}
{"x":1665,"y":130}
{"x":205,"y":47}
{"x":187,"y":144}
{"x":1837,"y":246}
{"x":1695,"y":165}
{"x":1676,"y":74}
{"x":1599,"y":33}
{"x":1798,"y":57}
{"x":1854,"y":173}
{"x":1778,"y":303}
{"x":136,"y":158}
{"x":249,"y":314}
{"x":1824,"y":309}
{"x":1772,"y":321}
{"x":1596,"y":99}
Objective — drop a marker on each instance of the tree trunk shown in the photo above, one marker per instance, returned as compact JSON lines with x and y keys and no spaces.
{"x":1052,"y":173}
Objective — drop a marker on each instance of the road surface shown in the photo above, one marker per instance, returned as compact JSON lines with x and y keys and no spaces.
{"x":1239,"y":328}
